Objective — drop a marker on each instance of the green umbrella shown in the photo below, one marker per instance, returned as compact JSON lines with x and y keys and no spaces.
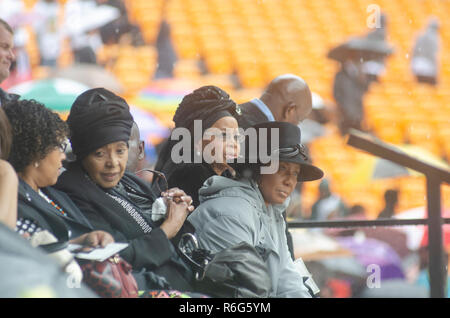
{"x":56,"y":93}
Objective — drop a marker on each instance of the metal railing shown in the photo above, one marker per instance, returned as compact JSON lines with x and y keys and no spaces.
{"x":434,"y":176}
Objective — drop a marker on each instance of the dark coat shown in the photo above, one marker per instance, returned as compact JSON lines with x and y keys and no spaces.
{"x":251,"y":115}
{"x":190,"y":177}
{"x":32,"y":206}
{"x":348,"y":93}
{"x":152,"y":251}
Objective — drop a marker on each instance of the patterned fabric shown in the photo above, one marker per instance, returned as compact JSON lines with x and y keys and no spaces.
{"x":134,"y":214}
{"x":27,"y":226}
{"x":169,"y":294}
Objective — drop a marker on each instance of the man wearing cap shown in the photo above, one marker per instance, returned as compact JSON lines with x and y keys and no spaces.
{"x":287,"y":98}
{"x":6,"y":59}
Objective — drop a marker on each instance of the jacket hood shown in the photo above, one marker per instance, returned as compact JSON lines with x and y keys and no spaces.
{"x":218,"y":186}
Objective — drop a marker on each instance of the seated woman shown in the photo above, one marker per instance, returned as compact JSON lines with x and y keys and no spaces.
{"x":213,"y":107}
{"x":36,"y":154}
{"x":249,"y":208}
{"x":8,"y":177}
{"x":117,"y":201}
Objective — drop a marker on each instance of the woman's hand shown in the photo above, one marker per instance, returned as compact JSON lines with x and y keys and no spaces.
{"x":179,"y":205}
{"x":93,"y":239}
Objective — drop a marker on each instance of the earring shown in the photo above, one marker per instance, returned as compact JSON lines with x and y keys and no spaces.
{"x":36,"y":164}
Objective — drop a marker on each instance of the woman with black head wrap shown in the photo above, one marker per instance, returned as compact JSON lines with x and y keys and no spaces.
{"x":117,"y":201}
{"x":212,"y":146}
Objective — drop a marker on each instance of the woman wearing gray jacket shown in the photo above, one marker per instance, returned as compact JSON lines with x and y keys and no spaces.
{"x":249,"y":208}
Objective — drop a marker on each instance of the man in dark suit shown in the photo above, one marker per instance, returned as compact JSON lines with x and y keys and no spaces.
{"x":287,"y":98}
{"x":6,"y":59}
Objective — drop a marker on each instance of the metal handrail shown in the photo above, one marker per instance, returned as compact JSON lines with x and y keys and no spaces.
{"x":360,"y":223}
{"x":434,"y":177}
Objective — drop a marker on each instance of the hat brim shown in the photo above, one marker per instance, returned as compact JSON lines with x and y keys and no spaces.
{"x":308,"y":172}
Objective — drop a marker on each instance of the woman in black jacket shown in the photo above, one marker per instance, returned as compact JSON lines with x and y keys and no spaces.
{"x":211,"y":147}
{"x":117,"y":201}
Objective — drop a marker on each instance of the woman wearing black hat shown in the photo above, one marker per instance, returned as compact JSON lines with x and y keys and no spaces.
{"x":117,"y":201}
{"x":249,"y":207}
{"x":211,"y":107}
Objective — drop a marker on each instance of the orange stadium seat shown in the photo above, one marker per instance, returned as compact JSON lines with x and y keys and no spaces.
{"x":257,"y":40}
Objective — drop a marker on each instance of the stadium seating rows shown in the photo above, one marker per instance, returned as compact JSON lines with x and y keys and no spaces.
{"x":256,"y":40}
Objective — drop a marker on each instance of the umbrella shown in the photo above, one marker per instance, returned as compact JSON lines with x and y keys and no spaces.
{"x":162,"y":97}
{"x":394,"y":237}
{"x":164,"y":94}
{"x":85,"y":16}
{"x":371,"y":252}
{"x":316,"y":247}
{"x":313,"y":245}
{"x":150,"y":128}
{"x":56,"y":93}
{"x":360,"y":48}
{"x":152,"y":131}
{"x":373,"y":168}
{"x":395,"y":288}
{"x":90,"y":74}
{"x":417,"y":235}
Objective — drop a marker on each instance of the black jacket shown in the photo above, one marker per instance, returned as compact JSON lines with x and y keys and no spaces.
{"x":251,"y":115}
{"x":32,"y":206}
{"x":152,"y":251}
{"x":190,"y":177}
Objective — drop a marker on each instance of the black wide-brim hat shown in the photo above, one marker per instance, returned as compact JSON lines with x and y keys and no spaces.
{"x":262,"y":140}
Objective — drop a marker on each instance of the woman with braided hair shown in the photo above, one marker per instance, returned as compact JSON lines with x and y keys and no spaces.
{"x":212,"y":149}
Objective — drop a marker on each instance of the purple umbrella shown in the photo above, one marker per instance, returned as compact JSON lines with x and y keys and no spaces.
{"x":373,"y":252}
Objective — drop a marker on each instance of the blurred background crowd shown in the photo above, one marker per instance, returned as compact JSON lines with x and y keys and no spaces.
{"x":153,"y":52}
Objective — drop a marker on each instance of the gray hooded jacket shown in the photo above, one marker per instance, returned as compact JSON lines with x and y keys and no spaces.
{"x":233,"y":211}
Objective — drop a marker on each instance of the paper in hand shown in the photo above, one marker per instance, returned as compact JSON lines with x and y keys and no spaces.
{"x":98,"y":254}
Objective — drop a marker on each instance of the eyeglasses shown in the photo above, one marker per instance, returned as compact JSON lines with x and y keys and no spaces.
{"x":62,"y":147}
{"x":159,"y":179}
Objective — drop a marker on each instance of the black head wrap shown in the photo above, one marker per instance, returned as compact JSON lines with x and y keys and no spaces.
{"x":207,"y":103}
{"x":98,"y":117}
